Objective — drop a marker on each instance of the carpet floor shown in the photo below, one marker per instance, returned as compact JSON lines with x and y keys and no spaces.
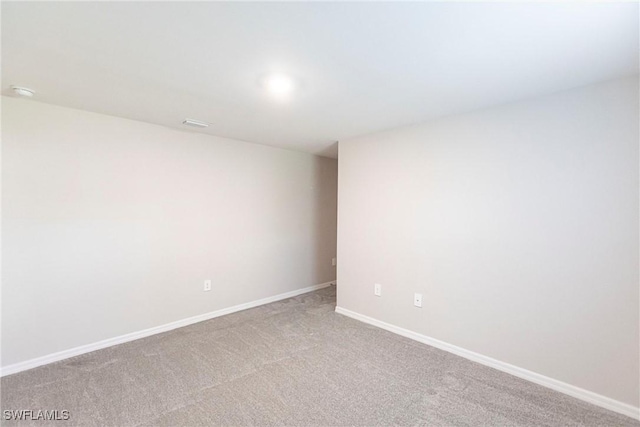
{"x":292,"y":362}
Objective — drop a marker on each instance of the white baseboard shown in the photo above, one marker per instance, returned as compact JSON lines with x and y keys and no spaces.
{"x":76,"y":351}
{"x":577,"y":392}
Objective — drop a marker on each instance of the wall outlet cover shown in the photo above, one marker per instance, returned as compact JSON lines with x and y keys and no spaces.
{"x":417,"y":300}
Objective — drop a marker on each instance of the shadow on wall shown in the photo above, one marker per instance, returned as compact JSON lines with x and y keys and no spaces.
{"x":325,"y":217}
{"x":330,"y":151}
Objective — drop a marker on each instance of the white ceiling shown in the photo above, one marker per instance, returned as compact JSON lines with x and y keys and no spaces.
{"x":361,"y":67}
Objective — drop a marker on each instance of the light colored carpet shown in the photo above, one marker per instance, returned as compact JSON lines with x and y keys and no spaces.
{"x":293,"y":362}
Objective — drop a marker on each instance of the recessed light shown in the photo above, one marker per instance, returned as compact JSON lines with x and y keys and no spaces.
{"x":195,"y":123}
{"x":279,"y":85}
{"x":23,"y":91}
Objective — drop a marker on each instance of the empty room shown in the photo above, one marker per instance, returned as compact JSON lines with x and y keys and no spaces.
{"x":320,"y":213}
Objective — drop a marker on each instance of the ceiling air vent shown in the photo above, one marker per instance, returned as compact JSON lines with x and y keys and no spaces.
{"x":195,"y":123}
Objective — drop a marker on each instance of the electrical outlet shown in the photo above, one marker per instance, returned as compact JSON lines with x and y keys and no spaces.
{"x":377,"y":289}
{"x":333,"y":262}
{"x":207,"y":285}
{"x":417,"y":300}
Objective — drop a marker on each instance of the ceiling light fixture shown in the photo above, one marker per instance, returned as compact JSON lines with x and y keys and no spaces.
{"x":23,"y":91}
{"x":279,"y":85}
{"x":195,"y":123}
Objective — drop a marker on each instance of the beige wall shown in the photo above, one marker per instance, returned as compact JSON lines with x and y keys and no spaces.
{"x":110,"y":226}
{"x":519,"y":224}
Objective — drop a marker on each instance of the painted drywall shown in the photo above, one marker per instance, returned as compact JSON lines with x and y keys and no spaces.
{"x":518,"y":224}
{"x":111,"y":226}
